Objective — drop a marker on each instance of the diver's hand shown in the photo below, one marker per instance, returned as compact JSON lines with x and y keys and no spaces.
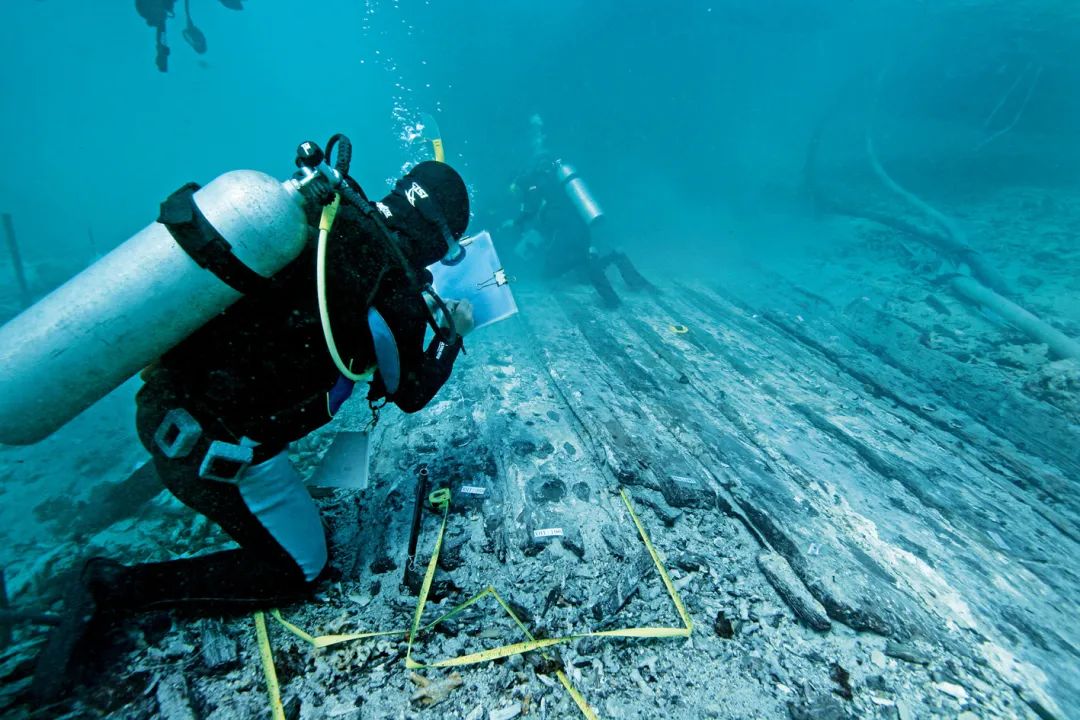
{"x":462,"y":312}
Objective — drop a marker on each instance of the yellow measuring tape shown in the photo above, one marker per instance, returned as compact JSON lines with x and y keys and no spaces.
{"x":441,"y":499}
{"x":272,"y":687}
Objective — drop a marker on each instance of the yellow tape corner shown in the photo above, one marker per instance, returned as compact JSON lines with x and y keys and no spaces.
{"x":440,"y":499}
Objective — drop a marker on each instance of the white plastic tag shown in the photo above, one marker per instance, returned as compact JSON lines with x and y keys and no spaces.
{"x":345,"y":464}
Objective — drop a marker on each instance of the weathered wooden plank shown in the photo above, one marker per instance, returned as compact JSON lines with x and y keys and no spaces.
{"x":678,"y":421}
{"x":992,"y":538}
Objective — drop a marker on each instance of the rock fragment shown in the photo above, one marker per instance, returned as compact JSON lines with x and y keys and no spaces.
{"x":722,"y":625}
{"x":842,"y":678}
{"x":907,"y":653}
{"x":433,"y":692}
{"x":173,"y":698}
{"x":667,"y":514}
{"x":824,"y":707}
{"x":624,"y":587}
{"x":505,"y":713}
{"x":956,"y":691}
{"x":681,"y":489}
{"x":217,"y":648}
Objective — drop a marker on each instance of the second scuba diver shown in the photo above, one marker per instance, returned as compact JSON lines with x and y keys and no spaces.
{"x":559,"y":222}
{"x":218,"y":411}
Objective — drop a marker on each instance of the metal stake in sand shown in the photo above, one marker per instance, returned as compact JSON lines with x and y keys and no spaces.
{"x":16,"y":259}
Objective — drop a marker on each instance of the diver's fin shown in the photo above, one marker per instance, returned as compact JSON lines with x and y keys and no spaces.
{"x":57,"y":666}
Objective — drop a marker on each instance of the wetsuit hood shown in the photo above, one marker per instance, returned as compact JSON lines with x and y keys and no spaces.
{"x":427,"y":204}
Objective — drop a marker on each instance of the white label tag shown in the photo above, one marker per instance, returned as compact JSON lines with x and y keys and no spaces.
{"x":346,"y":462}
{"x":547,"y":532}
{"x":684,"y":480}
{"x":473,"y":490}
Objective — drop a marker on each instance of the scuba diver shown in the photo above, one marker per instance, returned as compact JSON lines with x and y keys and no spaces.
{"x":156,"y":12}
{"x":218,"y":410}
{"x":559,"y":222}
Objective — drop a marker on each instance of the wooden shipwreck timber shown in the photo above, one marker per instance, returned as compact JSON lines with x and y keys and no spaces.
{"x":860,"y":525}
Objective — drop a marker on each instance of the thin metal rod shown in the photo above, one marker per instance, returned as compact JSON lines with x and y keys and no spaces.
{"x":16,"y":259}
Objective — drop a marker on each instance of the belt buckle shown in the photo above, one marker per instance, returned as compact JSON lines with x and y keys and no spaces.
{"x":226,"y":462}
{"x":177,"y":434}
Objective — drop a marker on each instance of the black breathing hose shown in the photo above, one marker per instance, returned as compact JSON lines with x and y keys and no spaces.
{"x":344,"y":158}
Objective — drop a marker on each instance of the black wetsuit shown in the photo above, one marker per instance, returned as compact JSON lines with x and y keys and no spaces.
{"x":568,"y":239}
{"x":257,"y":377}
{"x":261,"y":370}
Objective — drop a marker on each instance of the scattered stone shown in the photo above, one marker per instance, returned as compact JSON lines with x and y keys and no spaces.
{"x":614,"y":540}
{"x":967,"y":715}
{"x":523,"y":446}
{"x":667,"y":514}
{"x":956,"y":691}
{"x":382,"y":565}
{"x":173,"y":699}
{"x":690,"y":562}
{"x":643,"y":686}
{"x":842,"y":678}
{"x":505,"y":713}
{"x":878,"y":658}
{"x":450,"y":558}
{"x":682,"y":487}
{"x":476,"y":713}
{"x":622,"y":589}
{"x":792,"y":591}
{"x":824,"y":707}
{"x":217,"y":648}
{"x":433,"y":692}
{"x":723,"y":626}
{"x":907,"y":653}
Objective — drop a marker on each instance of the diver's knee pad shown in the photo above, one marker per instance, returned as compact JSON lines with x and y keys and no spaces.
{"x":275,"y":494}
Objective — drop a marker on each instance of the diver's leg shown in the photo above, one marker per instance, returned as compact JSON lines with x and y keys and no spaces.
{"x":594,"y":270}
{"x":283,"y":550}
{"x":634,"y":279}
{"x":268,"y":512}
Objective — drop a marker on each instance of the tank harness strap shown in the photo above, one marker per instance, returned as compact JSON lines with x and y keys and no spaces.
{"x":194,"y":233}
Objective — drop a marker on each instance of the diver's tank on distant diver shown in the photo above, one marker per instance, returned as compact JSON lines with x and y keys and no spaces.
{"x":208,"y":247}
{"x":578,"y":192}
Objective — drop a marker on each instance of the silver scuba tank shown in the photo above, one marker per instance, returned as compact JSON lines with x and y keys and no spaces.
{"x":578,"y":192}
{"x":101,"y":327}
